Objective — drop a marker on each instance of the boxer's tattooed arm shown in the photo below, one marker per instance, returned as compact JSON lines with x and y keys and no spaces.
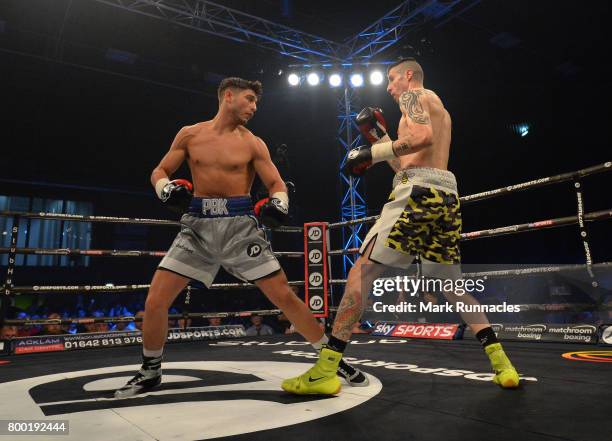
{"x":401,"y":148}
{"x":351,"y":308}
{"x":410,"y":103}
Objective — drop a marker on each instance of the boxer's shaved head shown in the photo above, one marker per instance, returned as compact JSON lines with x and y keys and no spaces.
{"x":239,"y":83}
{"x":405,"y":64}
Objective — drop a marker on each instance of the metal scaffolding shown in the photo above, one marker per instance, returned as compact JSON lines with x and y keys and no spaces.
{"x":353,"y":204}
{"x":212,"y":18}
{"x":215,"y":19}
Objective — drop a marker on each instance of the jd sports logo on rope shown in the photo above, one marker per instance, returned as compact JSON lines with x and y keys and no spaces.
{"x":254,"y":250}
{"x":315,"y":233}
{"x":606,"y":335}
{"x":227,"y":393}
{"x":315,"y":256}
{"x":215,"y":207}
{"x":315,"y":302}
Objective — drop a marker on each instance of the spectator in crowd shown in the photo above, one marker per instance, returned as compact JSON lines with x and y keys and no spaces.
{"x":258,"y":327}
{"x":99,"y":327}
{"x":56,"y":329}
{"x":36,"y":329}
{"x":172,"y":322}
{"x":139,"y":314}
{"x":8,"y":332}
{"x":214,"y":321}
{"x":121,"y":325}
{"x":183,"y":323}
{"x":124,"y":326}
{"x":25,"y":331}
{"x":284,"y":325}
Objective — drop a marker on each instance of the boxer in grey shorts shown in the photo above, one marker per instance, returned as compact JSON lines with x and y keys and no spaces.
{"x":225,"y":235}
{"x":219,"y":228}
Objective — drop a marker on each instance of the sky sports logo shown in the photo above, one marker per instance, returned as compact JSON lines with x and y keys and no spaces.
{"x":444,"y":331}
{"x":383,"y":329}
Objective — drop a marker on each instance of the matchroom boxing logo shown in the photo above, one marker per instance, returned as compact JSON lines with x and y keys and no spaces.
{"x":197,"y":400}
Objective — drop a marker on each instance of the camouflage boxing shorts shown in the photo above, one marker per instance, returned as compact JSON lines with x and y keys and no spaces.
{"x":421,"y":218}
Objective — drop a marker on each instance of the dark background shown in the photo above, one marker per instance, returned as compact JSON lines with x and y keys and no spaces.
{"x":77,"y":125}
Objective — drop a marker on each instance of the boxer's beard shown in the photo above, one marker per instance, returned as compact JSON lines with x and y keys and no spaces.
{"x":240,"y":120}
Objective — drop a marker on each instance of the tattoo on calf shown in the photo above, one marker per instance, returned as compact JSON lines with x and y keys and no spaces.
{"x":410,"y":102}
{"x":349,"y":312}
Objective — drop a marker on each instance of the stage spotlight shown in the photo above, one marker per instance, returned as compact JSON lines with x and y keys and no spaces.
{"x":293,"y":79}
{"x":521,"y":129}
{"x":335,"y":80}
{"x":313,"y":79}
{"x":357,"y":80}
{"x":376,"y":77}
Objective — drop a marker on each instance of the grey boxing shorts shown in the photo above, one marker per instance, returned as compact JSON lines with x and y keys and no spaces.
{"x":220,"y":232}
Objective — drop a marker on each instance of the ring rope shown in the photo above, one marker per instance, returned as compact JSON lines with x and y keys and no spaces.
{"x":86,"y":320}
{"x":607,"y":166}
{"x":115,"y":253}
{"x":511,"y":229}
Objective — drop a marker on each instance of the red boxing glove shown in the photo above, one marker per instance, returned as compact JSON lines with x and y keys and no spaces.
{"x":372,"y":124}
{"x":258,"y":205}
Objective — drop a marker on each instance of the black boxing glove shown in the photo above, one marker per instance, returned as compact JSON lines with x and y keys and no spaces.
{"x":358,"y":161}
{"x":361,"y":158}
{"x":273,"y":211}
{"x":372,"y":124}
{"x":175,"y":194}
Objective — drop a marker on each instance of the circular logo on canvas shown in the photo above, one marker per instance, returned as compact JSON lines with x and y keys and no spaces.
{"x":592,"y":356}
{"x":222,"y":391}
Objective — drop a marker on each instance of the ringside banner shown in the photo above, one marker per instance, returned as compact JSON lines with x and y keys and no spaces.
{"x":69,"y":342}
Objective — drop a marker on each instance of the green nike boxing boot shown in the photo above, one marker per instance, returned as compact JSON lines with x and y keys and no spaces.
{"x":321,"y":379}
{"x":505,"y":374}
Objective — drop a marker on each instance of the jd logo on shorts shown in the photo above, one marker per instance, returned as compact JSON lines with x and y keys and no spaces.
{"x":226,"y":393}
{"x":254,"y":250}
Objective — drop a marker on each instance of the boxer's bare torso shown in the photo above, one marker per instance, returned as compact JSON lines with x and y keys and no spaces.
{"x":436,"y":155}
{"x":221,"y":163}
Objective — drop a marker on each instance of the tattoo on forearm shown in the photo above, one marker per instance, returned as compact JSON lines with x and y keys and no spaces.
{"x":402,"y":148}
{"x":410,"y":102}
{"x":351,"y":308}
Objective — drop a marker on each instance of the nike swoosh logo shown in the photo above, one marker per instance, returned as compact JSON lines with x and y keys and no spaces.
{"x":310,"y":379}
